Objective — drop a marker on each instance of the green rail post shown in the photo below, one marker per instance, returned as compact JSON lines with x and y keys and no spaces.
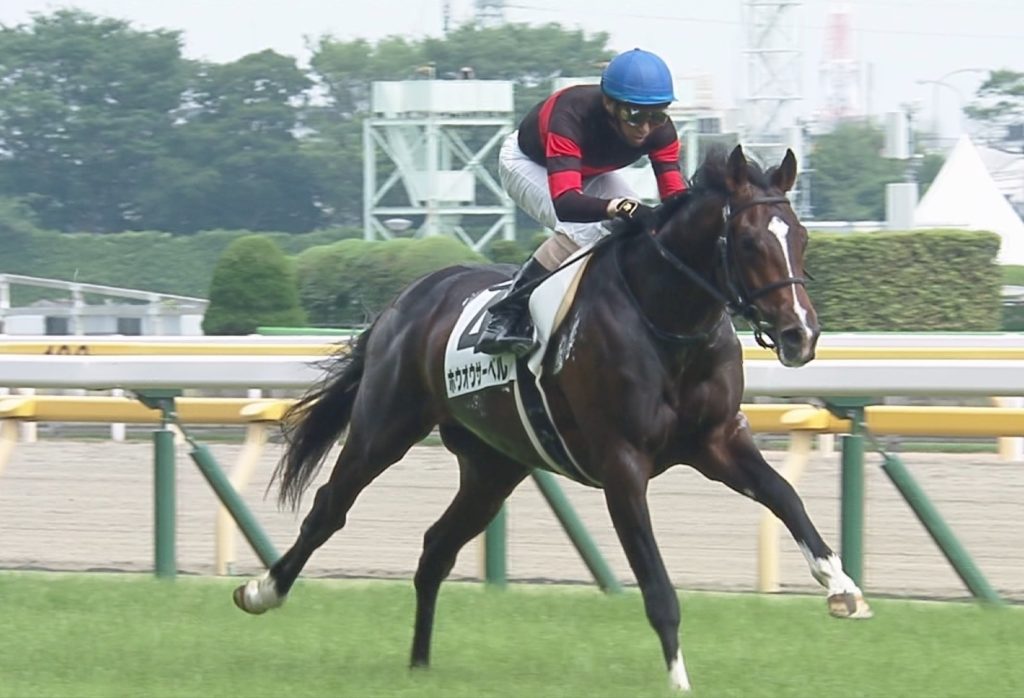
{"x":577,"y":532}
{"x":852,"y":485}
{"x":937,"y":528}
{"x":495,"y":555}
{"x":164,"y":500}
{"x":230,"y":498}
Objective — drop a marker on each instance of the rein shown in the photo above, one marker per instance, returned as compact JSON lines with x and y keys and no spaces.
{"x":740,"y":300}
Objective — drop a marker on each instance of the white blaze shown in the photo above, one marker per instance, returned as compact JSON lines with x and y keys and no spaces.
{"x":778,"y":228}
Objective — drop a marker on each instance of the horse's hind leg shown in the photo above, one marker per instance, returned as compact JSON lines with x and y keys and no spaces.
{"x":486,"y":479}
{"x":738,"y":463}
{"x":373,"y":444}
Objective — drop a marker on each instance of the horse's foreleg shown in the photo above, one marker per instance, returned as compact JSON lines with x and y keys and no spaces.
{"x":487,"y":478}
{"x":625,"y":490}
{"x":739,"y":464}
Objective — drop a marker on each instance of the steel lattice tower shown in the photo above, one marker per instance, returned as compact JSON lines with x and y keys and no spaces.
{"x":774,"y":65}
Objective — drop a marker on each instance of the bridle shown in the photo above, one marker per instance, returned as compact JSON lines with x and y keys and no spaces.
{"x":738,"y":299}
{"x":742,"y":302}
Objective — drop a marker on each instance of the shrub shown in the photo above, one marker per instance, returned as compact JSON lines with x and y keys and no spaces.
{"x":253,"y":285}
{"x":507,"y":252}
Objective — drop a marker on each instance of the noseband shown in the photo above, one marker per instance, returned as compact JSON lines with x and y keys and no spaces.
{"x":739,"y":300}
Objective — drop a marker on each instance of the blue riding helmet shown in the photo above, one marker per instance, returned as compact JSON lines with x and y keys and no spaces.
{"x":638,"y":77}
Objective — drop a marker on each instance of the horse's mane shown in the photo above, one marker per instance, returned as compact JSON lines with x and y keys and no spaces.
{"x":710,"y":176}
{"x":708,"y":180}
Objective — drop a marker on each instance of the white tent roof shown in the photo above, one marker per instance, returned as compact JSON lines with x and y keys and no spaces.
{"x":1007,"y":170}
{"x":964,"y":195}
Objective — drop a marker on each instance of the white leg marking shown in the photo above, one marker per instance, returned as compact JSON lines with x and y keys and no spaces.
{"x":780,"y":230}
{"x":845,"y":599}
{"x":677,"y":674}
{"x":260,"y":594}
{"x":829,"y":573}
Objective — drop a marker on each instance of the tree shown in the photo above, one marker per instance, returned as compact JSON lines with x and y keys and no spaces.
{"x":236,"y":161}
{"x":529,"y":56}
{"x":850,"y":173}
{"x":253,"y":285}
{"x":928,"y":170}
{"x":1000,"y":103}
{"x":85,"y":106}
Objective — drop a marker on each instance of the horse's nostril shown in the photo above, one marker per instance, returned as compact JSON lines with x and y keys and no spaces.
{"x":792,"y":337}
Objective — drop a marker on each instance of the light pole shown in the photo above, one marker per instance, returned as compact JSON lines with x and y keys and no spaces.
{"x":936,"y":120}
{"x":941,"y":81}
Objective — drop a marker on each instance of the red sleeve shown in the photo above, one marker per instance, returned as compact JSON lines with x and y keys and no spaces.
{"x":565,"y":181}
{"x":665,"y":162}
{"x":564,"y":159}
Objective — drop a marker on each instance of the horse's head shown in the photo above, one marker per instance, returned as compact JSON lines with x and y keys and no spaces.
{"x":762,"y":252}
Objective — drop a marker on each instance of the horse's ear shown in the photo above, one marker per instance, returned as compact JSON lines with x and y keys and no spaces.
{"x":736,"y":169}
{"x":784,"y":176}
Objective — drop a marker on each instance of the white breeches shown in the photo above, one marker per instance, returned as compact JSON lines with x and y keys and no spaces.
{"x":527,"y":183}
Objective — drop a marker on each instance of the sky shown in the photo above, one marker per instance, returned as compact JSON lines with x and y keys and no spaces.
{"x":896,"y":44}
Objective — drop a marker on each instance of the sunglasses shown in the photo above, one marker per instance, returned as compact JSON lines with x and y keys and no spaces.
{"x":636,"y":116}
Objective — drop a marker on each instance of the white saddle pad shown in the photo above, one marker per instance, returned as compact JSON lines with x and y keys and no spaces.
{"x":467,"y":370}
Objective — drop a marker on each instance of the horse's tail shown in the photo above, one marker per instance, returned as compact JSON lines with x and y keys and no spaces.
{"x":313,"y":424}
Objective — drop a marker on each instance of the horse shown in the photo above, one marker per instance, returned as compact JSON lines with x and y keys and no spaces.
{"x":645,"y":372}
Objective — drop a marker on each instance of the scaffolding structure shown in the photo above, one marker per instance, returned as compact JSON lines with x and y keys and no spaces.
{"x":774,"y":62}
{"x":433,"y":144}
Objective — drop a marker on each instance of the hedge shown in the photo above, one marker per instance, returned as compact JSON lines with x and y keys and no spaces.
{"x":349,"y":282}
{"x":924,"y":280}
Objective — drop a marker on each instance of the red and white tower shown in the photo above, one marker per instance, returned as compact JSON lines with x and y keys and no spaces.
{"x":840,"y":69}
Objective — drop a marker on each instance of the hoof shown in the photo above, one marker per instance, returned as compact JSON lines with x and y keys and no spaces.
{"x":239,"y":596}
{"x":849,"y":605}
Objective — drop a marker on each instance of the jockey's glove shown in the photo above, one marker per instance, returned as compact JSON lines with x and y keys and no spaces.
{"x":632,"y":210}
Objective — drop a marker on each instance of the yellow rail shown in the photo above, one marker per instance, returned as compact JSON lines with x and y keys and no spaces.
{"x":906,"y":353}
{"x":891,"y":420}
{"x":118,"y":410}
{"x":89,"y":347}
{"x":763,"y":418}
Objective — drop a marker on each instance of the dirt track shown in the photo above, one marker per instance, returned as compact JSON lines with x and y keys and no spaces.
{"x":68,"y":505}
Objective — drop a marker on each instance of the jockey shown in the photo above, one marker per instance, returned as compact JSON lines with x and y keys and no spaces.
{"x":559,"y":167}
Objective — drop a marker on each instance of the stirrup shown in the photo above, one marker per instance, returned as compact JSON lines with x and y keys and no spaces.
{"x":517,"y":345}
{"x":506,"y":334}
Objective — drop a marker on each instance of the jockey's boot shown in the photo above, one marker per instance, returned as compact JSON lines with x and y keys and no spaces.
{"x":509,"y":329}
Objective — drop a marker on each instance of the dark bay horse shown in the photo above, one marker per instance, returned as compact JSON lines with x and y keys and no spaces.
{"x":645,"y":372}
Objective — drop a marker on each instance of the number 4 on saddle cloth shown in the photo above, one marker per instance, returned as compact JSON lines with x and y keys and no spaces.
{"x":467,"y":370}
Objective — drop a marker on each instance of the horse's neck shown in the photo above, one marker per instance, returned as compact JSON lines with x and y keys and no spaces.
{"x":671,"y":300}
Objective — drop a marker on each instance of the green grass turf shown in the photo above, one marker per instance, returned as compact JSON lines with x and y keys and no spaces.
{"x":131,"y":635}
